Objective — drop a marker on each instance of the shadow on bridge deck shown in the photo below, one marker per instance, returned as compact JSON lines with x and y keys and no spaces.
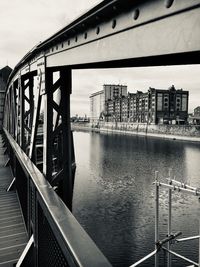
{"x":13,"y":235}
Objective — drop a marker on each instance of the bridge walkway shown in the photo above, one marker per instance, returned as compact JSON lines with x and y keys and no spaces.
{"x":13,"y":235}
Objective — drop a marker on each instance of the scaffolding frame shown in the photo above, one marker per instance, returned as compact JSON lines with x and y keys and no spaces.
{"x":173,"y":186}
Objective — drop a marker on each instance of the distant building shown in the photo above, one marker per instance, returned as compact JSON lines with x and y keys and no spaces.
{"x":138,"y":107}
{"x":97,"y":106}
{"x":168,"y":106}
{"x":156,"y":106}
{"x":197,"y":111}
{"x":4,"y":74}
{"x":113,"y":91}
{"x":102,"y":106}
{"x":195,"y":118}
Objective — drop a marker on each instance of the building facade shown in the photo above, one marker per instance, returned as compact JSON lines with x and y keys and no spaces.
{"x":114,"y":91}
{"x":197,"y":111}
{"x":4,"y":74}
{"x":106,"y":104}
{"x":195,"y":118}
{"x":97,"y":107}
{"x":168,"y":106}
{"x":156,"y":106}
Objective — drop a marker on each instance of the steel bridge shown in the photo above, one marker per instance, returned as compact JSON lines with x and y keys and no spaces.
{"x":115,"y":33}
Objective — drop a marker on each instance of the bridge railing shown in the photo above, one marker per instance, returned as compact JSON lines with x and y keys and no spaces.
{"x":59,"y":240}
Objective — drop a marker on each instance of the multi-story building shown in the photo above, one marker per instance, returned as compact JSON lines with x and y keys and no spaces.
{"x":113,"y":91}
{"x":157,"y":106}
{"x":197,"y":111}
{"x":104,"y":104}
{"x":195,"y":118}
{"x":97,"y":107}
{"x":168,"y":106}
{"x":124,"y":109}
{"x":4,"y":74}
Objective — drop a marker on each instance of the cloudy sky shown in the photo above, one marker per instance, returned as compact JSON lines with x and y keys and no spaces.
{"x":24,"y":23}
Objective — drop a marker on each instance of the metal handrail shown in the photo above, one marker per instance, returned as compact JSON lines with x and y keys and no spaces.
{"x":72,"y":238}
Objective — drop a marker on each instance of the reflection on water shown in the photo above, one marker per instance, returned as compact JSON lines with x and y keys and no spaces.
{"x":114,"y":195}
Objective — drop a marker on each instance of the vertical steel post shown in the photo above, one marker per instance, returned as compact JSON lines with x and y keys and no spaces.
{"x":169,"y":220}
{"x":21,"y":142}
{"x":36,"y":114}
{"x":14,"y":107}
{"x":199,"y":243}
{"x":65,"y":87}
{"x":48,"y":125}
{"x":156,"y":218}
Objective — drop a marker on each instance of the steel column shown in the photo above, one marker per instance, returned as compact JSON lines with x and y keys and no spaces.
{"x":156,"y":219}
{"x":21,"y":103}
{"x":48,"y":124}
{"x":169,"y":220}
{"x":67,"y":183}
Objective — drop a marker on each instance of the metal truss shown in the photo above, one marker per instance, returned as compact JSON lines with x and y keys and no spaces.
{"x":120,"y":33}
{"x":58,"y":159}
{"x":22,"y":118}
{"x":115,"y":33}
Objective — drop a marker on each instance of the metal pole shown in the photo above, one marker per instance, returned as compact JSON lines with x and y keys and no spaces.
{"x":181,"y":257}
{"x":169,"y":220}
{"x":156,"y":219}
{"x":199,"y":243}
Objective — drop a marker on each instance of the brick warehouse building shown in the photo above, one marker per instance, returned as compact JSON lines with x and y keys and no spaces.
{"x":168,"y":106}
{"x":156,"y":106}
{"x":107,"y":102}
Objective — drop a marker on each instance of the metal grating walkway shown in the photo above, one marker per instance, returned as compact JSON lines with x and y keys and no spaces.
{"x":13,"y":235}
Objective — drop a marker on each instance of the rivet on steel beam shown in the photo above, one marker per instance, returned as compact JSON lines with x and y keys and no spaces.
{"x":114,"y":23}
{"x":168,"y":3}
{"x":136,"y":14}
{"x":98,"y":30}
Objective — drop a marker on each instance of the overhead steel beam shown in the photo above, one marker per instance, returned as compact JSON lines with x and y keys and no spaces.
{"x":119,"y":33}
{"x":118,"y":41}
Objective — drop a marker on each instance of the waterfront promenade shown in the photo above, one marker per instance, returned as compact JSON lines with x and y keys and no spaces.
{"x":13,"y":236}
{"x":175,"y":132}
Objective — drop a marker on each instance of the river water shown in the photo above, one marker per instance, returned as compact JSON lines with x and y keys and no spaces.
{"x":114,"y":195}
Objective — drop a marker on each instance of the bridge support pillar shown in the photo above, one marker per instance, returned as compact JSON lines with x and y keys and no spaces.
{"x":57,"y":147}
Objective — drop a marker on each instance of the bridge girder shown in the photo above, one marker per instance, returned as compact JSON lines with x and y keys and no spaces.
{"x":120,"y":33}
{"x":115,"y":33}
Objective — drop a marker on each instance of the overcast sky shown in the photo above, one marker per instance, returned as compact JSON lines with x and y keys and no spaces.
{"x":24,"y":23}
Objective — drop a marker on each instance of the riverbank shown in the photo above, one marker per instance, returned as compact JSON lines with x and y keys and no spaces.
{"x":176,"y":132}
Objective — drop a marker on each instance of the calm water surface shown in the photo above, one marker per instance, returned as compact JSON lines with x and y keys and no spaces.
{"x":114,"y":195}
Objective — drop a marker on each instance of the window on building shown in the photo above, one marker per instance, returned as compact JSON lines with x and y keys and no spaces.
{"x":184,"y":102}
{"x":160,"y":102}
